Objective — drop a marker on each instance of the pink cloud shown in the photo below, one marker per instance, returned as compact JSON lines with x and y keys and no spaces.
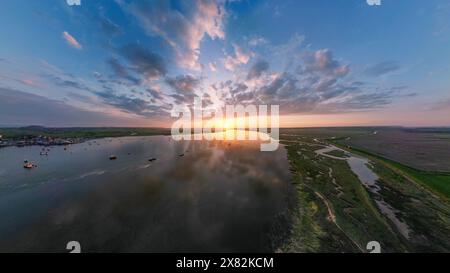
{"x":239,"y":58}
{"x":183,"y":32}
{"x":212,"y":67}
{"x":72,"y":41}
{"x":209,"y":20}
{"x":30,"y":82}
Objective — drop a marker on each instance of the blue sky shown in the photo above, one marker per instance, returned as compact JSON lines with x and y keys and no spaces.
{"x":128,"y":63}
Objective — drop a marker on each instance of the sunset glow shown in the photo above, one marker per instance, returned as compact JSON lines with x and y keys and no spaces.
{"x":137,"y":61}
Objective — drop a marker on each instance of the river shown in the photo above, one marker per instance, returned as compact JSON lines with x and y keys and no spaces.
{"x":197,"y":196}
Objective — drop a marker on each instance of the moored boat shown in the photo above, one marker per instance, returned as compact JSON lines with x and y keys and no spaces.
{"x":29,"y":165}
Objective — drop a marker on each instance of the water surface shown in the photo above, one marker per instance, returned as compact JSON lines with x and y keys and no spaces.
{"x":197,"y":196}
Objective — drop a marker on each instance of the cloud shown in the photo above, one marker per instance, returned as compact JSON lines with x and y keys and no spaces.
{"x":313,"y":83}
{"x":132,"y":105}
{"x":149,"y":65}
{"x":185,"y":87}
{"x":322,"y":61}
{"x":296,"y":96}
{"x":240,"y":57}
{"x":257,"y":40}
{"x":82,"y":98}
{"x":71,"y":40}
{"x":183,"y":84}
{"x":113,"y":91}
{"x":183,"y":26}
{"x":67,"y":80}
{"x":440,"y":105}
{"x":155,"y":93}
{"x":212,"y":67}
{"x":257,"y":69}
{"x":290,"y":48}
{"x":121,"y":72}
{"x":238,"y":88}
{"x":73,"y":2}
{"x":30,"y":82}
{"x":22,"y":108}
{"x":109,"y":28}
{"x":382,"y":68}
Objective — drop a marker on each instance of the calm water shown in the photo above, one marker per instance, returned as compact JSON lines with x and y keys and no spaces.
{"x":219,"y":196}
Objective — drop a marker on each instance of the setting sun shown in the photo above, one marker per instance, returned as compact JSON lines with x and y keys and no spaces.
{"x":225,"y":124}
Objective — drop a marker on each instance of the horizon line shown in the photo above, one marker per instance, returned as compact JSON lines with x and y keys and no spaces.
{"x":280,"y":127}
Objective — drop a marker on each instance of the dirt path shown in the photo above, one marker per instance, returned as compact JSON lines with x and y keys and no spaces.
{"x":332,"y":217}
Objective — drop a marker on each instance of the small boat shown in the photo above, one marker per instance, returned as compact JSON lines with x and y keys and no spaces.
{"x":112,"y":157}
{"x":152,"y":159}
{"x":29,"y":165}
{"x":44,"y":153}
{"x":181,"y":155}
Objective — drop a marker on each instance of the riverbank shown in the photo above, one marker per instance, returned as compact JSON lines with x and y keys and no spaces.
{"x":44,"y":136}
{"x":336,"y":212}
{"x":437,"y":183}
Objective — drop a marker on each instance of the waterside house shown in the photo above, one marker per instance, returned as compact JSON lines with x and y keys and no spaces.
{"x":40,"y":141}
{"x":46,"y":141}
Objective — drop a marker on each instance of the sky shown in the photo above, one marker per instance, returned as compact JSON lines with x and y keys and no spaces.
{"x":66,"y":63}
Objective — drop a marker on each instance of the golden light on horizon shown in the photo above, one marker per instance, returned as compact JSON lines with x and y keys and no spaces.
{"x":224,"y":123}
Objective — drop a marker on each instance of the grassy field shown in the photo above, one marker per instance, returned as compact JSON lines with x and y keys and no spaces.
{"x":426,"y":150}
{"x":336,"y":213}
{"x":338,"y":153}
{"x":437,"y":182}
{"x":427,"y":216}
